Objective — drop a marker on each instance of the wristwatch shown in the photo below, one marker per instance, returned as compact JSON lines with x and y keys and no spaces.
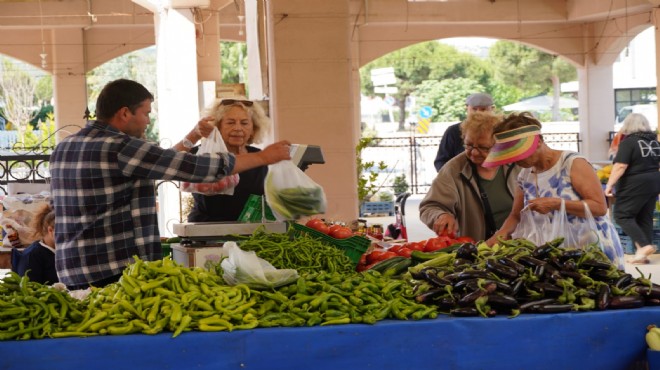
{"x":187,"y":143}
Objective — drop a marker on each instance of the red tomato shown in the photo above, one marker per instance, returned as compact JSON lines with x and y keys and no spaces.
{"x":396,"y":248}
{"x":203,"y":187}
{"x":342,"y":232}
{"x":416,"y":246}
{"x":363,"y":259}
{"x":434,"y":244}
{"x":374,"y":256}
{"x":322,"y":228}
{"x":447,"y":233}
{"x":464,"y":239}
{"x":385,"y":255}
{"x":312,"y":223}
{"x":333,"y":228}
{"x":405,"y":252}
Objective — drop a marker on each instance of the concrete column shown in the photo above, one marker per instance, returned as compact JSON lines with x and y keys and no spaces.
{"x":312,"y":97}
{"x":596,"y":110}
{"x":252,"y":38}
{"x":208,"y":59}
{"x":177,"y":108}
{"x":656,"y":23}
{"x":69,"y":84}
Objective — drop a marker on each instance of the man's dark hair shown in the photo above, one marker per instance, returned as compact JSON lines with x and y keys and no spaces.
{"x":118,"y":94}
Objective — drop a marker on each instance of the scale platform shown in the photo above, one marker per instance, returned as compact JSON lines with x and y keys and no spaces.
{"x":207,"y":231}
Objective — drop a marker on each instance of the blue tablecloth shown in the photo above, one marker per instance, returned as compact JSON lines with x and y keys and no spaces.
{"x":587,"y":340}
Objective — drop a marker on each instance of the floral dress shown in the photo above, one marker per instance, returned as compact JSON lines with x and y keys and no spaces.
{"x":556,"y":182}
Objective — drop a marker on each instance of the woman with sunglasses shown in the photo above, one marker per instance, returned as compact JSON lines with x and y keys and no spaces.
{"x":241,"y":123}
{"x":465,"y":197}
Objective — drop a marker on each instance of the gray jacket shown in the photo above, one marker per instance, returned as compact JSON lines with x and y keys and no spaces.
{"x":455,"y":191}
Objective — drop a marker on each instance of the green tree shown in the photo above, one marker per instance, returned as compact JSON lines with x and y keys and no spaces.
{"x":532,"y":71}
{"x":44,"y":89}
{"x":400,"y":185}
{"x":367,"y":172}
{"x":17,"y":92}
{"x":422,"y":62}
{"x":447,"y":97}
{"x":233,"y":61}
{"x":139,"y":65}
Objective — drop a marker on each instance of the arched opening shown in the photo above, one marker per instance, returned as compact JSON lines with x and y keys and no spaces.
{"x":26,"y":104}
{"x":411,"y":95}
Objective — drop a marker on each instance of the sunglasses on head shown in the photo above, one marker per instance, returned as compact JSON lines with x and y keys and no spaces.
{"x":246,"y":103}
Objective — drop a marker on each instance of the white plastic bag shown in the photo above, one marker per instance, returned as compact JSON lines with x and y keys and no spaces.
{"x":578,"y":234}
{"x":243,"y":267}
{"x":212,"y":145}
{"x":533,"y":226}
{"x":17,"y":229}
{"x":291,"y":194}
{"x":541,"y":228}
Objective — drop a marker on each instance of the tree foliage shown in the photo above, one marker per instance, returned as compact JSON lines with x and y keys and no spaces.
{"x":139,"y":65}
{"x":447,"y":97}
{"x":18,"y":95}
{"x":233,"y":61}
{"x":530,"y":70}
{"x":427,"y":61}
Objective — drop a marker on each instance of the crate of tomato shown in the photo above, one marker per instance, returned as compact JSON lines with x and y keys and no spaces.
{"x":407,"y":250}
{"x":338,"y":236}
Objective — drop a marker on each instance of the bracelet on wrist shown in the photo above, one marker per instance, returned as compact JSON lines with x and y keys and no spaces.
{"x":187,"y":143}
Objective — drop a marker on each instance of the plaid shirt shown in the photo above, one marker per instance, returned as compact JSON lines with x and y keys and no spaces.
{"x":104,"y":199}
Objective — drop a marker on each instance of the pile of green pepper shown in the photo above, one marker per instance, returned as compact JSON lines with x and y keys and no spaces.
{"x":516,"y":276}
{"x":301,"y":252}
{"x":31,"y":310}
{"x":152,"y":297}
{"x":324,"y":298}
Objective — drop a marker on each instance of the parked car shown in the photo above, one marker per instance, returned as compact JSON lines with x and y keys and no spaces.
{"x":650,"y":111}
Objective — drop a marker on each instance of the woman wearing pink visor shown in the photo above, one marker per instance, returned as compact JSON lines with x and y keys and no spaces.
{"x":547,"y":177}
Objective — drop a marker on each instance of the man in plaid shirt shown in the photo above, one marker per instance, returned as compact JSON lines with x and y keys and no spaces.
{"x":103,"y":186}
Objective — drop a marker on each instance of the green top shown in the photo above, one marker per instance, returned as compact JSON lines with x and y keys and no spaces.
{"x":498,"y":197}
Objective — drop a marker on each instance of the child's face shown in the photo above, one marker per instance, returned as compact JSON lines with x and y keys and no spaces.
{"x":49,"y":238}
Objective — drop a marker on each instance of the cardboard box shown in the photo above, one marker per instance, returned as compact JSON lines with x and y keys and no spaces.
{"x":196,"y":256}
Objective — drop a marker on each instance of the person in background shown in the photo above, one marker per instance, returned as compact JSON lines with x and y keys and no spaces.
{"x":466,"y":197}
{"x":451,"y":144}
{"x":103,"y":191}
{"x":39,"y":257}
{"x":635,"y":174}
{"x":241,"y":123}
{"x":547,"y":177}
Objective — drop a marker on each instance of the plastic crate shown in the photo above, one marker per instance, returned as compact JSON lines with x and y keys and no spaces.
{"x":166,"y":249}
{"x":373,"y":208}
{"x":353,"y":247}
{"x":252,"y":211}
{"x":627,"y":244}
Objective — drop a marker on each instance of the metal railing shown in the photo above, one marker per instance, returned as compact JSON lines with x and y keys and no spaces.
{"x":413,"y":157}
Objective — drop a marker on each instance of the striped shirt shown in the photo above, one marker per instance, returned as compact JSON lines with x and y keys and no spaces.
{"x":103,"y":191}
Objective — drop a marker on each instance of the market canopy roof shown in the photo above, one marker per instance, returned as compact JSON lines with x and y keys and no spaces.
{"x":541,"y":103}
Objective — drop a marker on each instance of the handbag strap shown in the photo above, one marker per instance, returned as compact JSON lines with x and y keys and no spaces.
{"x":488,"y":213}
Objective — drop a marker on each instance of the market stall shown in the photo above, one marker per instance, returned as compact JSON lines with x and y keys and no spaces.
{"x":612,"y":339}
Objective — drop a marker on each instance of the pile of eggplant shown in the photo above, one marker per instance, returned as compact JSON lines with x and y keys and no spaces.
{"x":516,"y":276}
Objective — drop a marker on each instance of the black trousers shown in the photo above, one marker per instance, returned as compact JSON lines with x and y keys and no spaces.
{"x":634,"y":214}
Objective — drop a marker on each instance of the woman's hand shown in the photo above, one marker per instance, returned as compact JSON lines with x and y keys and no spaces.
{"x":608,"y":190}
{"x":205,"y":126}
{"x":544,"y":205}
{"x":445,"y":221}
